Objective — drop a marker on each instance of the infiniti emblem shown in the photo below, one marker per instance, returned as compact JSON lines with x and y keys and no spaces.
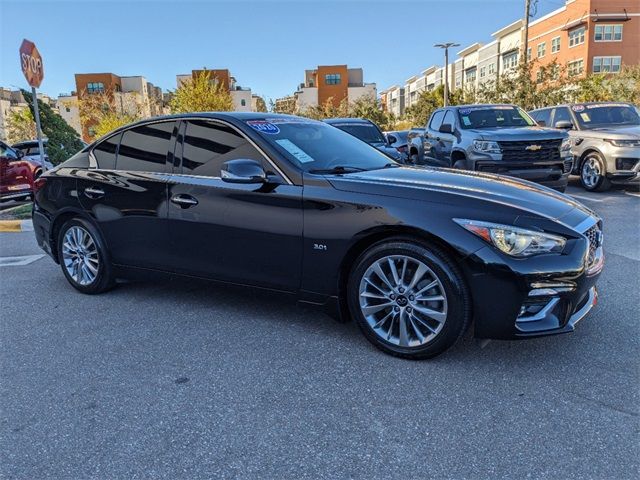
{"x":401,"y":300}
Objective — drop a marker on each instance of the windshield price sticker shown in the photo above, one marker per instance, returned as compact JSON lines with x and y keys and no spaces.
{"x":606,"y":105}
{"x":291,"y":120}
{"x":295,"y":150}
{"x":264,"y":127}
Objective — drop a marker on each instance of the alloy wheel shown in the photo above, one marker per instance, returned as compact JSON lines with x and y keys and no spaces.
{"x":403,"y":301}
{"x":591,"y":172}
{"x":80,"y":255}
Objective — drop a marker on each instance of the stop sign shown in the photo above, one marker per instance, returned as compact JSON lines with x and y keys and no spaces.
{"x":31,"y":63}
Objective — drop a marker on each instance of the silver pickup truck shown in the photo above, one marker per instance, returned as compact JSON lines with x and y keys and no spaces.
{"x":501,"y":139}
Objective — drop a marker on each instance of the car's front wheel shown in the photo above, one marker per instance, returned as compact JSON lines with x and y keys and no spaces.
{"x":84,"y":258}
{"x":593,"y":173}
{"x":409,"y":299}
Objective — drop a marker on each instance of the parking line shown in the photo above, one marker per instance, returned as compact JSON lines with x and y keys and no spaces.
{"x":637,"y":195}
{"x":19,"y":261}
{"x":588,"y":199}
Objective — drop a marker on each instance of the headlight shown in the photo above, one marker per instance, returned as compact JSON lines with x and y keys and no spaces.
{"x":486,"y":147}
{"x":623,"y":143}
{"x":565,"y":148}
{"x":514,"y":241}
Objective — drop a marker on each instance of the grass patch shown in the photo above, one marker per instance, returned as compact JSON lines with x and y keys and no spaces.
{"x":21,"y":212}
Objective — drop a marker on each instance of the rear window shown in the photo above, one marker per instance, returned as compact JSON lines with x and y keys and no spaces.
{"x":494,"y":117}
{"x":365,"y":132}
{"x":145,"y":148}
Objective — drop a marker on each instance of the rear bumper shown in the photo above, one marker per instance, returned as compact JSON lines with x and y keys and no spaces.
{"x":42,"y":231}
{"x":13,"y":195}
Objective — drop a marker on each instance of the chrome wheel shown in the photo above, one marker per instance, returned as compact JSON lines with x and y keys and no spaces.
{"x":403,"y":301}
{"x":591,"y":172}
{"x":80,"y":255}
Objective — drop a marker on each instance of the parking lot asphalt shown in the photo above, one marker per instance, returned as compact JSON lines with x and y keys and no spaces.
{"x":188,"y":379}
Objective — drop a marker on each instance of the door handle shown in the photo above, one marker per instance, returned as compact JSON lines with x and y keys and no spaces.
{"x":184,"y":201}
{"x":94,"y":192}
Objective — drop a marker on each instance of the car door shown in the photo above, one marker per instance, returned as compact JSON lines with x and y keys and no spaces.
{"x":444,"y":141}
{"x":15,"y":174}
{"x":431,"y":142}
{"x":244,"y":233}
{"x":127,"y":193}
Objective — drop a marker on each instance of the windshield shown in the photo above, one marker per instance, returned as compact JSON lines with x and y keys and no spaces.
{"x":366,"y":133}
{"x":494,"y":117}
{"x":605,"y":115}
{"x":314,"y":145}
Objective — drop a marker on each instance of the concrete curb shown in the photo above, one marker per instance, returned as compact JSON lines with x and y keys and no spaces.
{"x":15,"y":226}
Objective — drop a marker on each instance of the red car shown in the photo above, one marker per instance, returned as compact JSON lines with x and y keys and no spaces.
{"x":16,"y":175}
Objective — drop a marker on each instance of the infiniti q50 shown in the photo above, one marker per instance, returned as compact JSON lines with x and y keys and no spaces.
{"x":414,"y":255}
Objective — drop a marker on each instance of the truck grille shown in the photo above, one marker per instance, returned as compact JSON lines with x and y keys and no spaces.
{"x":594,"y":235}
{"x":548,"y":151}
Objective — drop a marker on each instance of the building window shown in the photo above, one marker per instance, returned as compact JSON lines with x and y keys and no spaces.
{"x":539,"y":76}
{"x":606,"y":64}
{"x":95,"y":87}
{"x":608,"y":33}
{"x":67,"y":109}
{"x":542,"y":49}
{"x":492,"y":68}
{"x":510,"y":60}
{"x":243,"y":102}
{"x":575,"y":67}
{"x":470,"y":75}
{"x":555,"y":45}
{"x":483,"y":72}
{"x":576,"y":37}
{"x":332,"y":79}
{"x":528,"y":54}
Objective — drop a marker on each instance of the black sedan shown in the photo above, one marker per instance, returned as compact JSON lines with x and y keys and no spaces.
{"x":412,"y":254}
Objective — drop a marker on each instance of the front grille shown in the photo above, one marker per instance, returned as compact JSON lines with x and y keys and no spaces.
{"x":549,"y":150}
{"x":594,"y":236}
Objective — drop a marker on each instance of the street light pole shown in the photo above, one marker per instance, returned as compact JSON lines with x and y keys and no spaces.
{"x":446,"y":47}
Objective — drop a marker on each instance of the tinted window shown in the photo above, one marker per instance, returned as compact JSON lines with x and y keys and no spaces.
{"x":436,"y":120}
{"x":105,"y":152}
{"x":208,"y":145}
{"x":7,"y":152}
{"x":365,"y":132}
{"x":144,"y":148}
{"x":543,"y":117}
{"x":562,"y":115}
{"x":602,"y":115}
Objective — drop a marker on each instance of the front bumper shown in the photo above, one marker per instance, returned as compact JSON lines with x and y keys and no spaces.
{"x":522,"y":298}
{"x":554,"y":174}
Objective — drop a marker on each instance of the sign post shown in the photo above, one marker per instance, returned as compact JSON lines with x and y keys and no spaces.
{"x":33,"y":70}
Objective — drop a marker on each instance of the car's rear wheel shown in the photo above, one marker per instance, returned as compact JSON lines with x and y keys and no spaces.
{"x":593,"y":173}
{"x":409,"y":299}
{"x":84,"y":258}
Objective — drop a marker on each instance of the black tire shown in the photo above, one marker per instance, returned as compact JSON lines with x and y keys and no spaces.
{"x":458,"y":315}
{"x":590,"y":161}
{"x":104,"y":279}
{"x":414,"y":159}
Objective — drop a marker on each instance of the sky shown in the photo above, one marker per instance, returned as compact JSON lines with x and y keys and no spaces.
{"x":265,"y":44}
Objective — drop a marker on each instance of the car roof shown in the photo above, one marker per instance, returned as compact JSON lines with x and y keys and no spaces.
{"x":476,"y":105}
{"x":332,"y":121}
{"x":581,"y":103}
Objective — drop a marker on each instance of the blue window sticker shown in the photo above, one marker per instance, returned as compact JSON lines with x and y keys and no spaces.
{"x":465,"y":111}
{"x":264,"y":127}
{"x":294,"y":150}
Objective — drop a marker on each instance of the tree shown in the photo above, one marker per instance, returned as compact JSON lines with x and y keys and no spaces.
{"x":99,"y":113}
{"x":20,"y":126}
{"x":201,"y":94}
{"x":370,"y":108}
{"x":63,"y":141}
{"x":428,"y":101}
{"x":261,"y":105}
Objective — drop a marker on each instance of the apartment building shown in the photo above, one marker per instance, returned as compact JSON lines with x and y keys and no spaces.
{"x":330,"y":83}
{"x":132,"y":95}
{"x":69,"y":110}
{"x":583,"y":36}
{"x":394,"y":100}
{"x":241,"y":96}
{"x":12,"y":101}
{"x":587,"y":36}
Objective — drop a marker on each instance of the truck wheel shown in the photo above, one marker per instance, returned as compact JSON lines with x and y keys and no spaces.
{"x":593,"y":173}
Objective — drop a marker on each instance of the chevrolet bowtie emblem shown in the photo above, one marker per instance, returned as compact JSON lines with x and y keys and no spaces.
{"x":533,"y":148}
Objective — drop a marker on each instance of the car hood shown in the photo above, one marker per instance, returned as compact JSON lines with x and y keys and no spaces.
{"x":617,"y":133}
{"x":440,"y":185}
{"x":518,"y":133}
